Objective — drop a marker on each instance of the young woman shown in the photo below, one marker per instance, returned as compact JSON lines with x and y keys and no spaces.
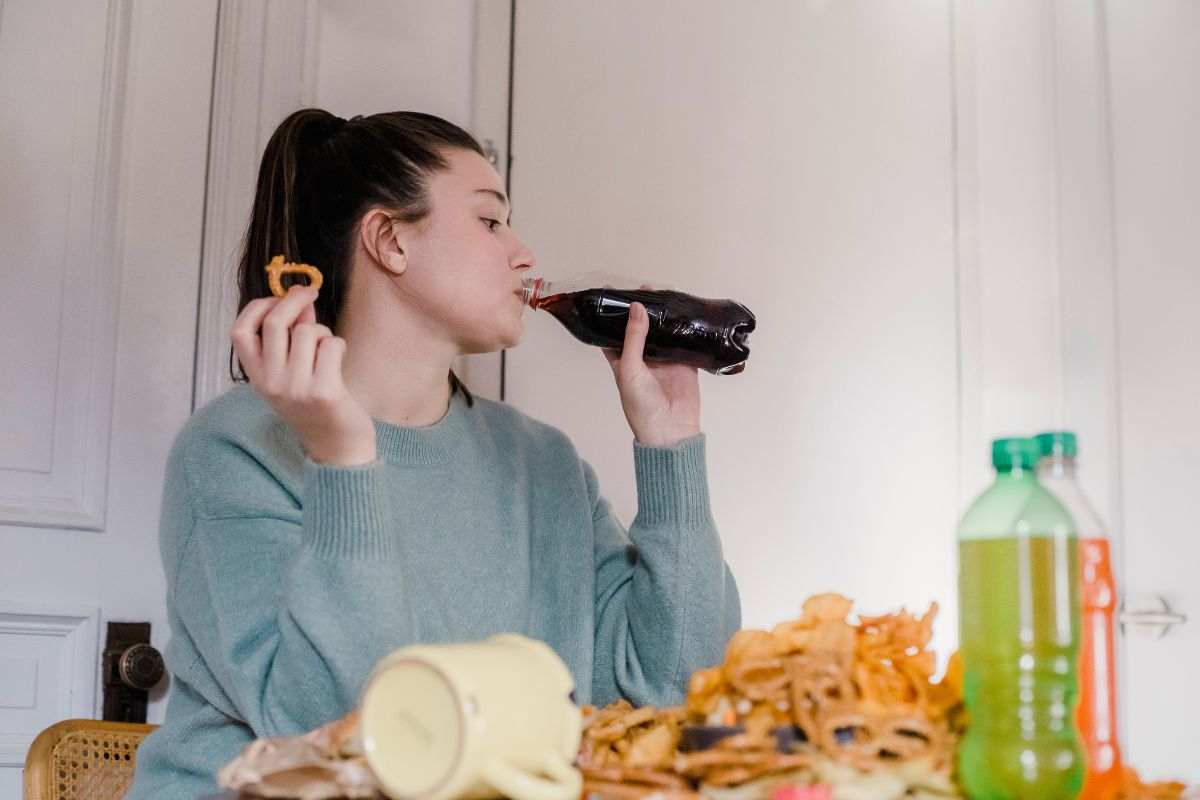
{"x":355,"y":498}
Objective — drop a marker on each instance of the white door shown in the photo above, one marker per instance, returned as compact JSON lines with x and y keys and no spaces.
{"x":103,"y":140}
{"x":1155,"y":67}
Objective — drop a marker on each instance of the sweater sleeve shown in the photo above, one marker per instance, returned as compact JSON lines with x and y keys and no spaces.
{"x":288,"y":610}
{"x":666,"y":602}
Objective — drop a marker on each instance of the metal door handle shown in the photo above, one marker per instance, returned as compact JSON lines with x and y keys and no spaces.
{"x":140,"y":667}
{"x":1151,"y":612}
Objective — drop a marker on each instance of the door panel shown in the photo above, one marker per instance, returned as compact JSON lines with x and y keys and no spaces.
{"x":105,"y":134}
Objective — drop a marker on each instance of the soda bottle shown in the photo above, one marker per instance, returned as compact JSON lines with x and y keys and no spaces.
{"x":712,"y":335}
{"x":1097,"y":715}
{"x":1018,"y":589}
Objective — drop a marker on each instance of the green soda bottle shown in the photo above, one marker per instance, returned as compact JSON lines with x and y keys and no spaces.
{"x":1018,"y":596}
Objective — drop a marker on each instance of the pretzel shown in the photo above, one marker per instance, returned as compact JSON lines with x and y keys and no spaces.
{"x":615,"y":729}
{"x":760,"y":678}
{"x":278,"y":268}
{"x":649,"y":777}
{"x":609,"y":790}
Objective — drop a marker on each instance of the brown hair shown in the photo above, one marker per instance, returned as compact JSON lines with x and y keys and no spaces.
{"x":319,"y":175}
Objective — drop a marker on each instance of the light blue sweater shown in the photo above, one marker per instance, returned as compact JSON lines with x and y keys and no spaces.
{"x":288,"y":580}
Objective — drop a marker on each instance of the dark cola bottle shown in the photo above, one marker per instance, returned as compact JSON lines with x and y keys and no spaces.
{"x":712,"y":335}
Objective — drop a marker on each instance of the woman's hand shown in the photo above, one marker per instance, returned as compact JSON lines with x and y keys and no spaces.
{"x":661,"y":401}
{"x":296,"y":365}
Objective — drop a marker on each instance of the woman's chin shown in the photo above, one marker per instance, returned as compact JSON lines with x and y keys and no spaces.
{"x":513,"y":337}
{"x":495,"y":343}
{"x":510,"y":342}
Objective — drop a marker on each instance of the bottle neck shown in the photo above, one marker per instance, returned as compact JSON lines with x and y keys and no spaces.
{"x":1015,"y":473}
{"x":532,"y":291}
{"x":1057,"y":467}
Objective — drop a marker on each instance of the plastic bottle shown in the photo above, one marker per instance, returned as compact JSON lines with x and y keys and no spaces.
{"x":1018,"y":589}
{"x":1097,"y":715}
{"x":712,"y":335}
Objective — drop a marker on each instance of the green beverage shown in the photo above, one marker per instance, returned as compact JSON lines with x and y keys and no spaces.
{"x":1018,"y":590}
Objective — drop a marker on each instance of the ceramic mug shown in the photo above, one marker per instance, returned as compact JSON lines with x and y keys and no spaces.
{"x":476,"y":720}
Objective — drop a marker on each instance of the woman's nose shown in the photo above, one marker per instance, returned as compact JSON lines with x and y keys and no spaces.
{"x":524,"y":258}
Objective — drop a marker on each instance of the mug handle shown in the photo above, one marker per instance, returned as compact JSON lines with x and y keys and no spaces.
{"x":565,"y":782}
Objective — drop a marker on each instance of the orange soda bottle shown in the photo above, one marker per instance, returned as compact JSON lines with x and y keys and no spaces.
{"x":1097,"y":713}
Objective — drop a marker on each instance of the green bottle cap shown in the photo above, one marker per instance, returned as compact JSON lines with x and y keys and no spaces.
{"x":1058,"y":443}
{"x":1010,"y":454}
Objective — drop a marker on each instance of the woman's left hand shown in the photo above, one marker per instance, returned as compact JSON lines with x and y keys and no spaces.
{"x":661,"y":401}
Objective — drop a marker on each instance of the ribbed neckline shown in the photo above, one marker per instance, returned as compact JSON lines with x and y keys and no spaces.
{"x":433,"y":444}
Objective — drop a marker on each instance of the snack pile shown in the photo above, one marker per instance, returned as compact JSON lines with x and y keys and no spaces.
{"x":819,"y":705}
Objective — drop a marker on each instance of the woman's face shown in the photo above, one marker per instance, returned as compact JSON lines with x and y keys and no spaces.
{"x":464,"y":263}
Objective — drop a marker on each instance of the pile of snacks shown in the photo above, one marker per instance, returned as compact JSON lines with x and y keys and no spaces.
{"x":817,"y":700}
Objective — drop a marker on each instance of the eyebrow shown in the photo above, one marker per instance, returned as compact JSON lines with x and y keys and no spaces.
{"x":498,"y":195}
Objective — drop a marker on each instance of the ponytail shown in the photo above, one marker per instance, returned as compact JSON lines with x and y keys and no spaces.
{"x":319,"y":175}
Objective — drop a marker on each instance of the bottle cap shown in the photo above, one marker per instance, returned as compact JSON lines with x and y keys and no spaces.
{"x":1058,"y":443}
{"x":1010,"y":454}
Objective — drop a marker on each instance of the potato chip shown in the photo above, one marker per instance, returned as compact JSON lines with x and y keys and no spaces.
{"x":828,"y":607}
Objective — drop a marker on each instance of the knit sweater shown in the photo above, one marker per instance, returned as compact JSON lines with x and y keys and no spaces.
{"x":287,"y":580}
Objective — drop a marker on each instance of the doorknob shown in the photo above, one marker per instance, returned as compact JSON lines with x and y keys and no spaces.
{"x":130,"y":669}
{"x":1151,"y":613}
{"x":140,"y":666}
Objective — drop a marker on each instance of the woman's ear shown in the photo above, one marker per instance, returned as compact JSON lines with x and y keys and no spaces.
{"x":382,"y":239}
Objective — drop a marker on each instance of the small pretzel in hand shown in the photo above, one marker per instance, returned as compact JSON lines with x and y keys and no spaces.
{"x":278,"y":268}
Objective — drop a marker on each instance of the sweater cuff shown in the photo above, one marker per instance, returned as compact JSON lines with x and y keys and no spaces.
{"x":672,"y":483}
{"x":344,"y":516}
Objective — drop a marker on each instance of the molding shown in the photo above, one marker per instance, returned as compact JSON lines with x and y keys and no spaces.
{"x":72,"y":493}
{"x":489,"y":123}
{"x":311,"y":56}
{"x":966,"y":239}
{"x":79,"y":628}
{"x":258,"y":78}
{"x":13,"y":749}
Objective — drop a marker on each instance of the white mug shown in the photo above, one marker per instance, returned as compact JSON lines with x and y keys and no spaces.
{"x":476,"y":720}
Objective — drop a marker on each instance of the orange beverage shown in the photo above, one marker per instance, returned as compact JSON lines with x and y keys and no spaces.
{"x":1096,"y":716}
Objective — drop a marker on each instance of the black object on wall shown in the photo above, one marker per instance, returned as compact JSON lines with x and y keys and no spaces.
{"x":130,"y":669}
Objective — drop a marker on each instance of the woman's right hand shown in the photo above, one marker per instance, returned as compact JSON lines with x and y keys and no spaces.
{"x":296,"y":365}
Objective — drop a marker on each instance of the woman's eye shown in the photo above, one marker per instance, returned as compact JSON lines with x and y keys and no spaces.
{"x":491,"y":223}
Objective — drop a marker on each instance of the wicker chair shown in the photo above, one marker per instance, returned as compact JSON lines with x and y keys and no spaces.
{"x":83,"y":759}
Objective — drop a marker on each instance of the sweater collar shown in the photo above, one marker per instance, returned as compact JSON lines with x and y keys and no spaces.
{"x":433,"y":444}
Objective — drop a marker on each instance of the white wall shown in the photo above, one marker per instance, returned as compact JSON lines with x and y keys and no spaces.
{"x":796,"y":157}
{"x":389,"y":56}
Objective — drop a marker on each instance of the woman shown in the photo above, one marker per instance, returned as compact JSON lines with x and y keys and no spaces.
{"x":355,"y":498}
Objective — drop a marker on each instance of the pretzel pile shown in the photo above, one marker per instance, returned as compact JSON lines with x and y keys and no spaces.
{"x":816,"y":700}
